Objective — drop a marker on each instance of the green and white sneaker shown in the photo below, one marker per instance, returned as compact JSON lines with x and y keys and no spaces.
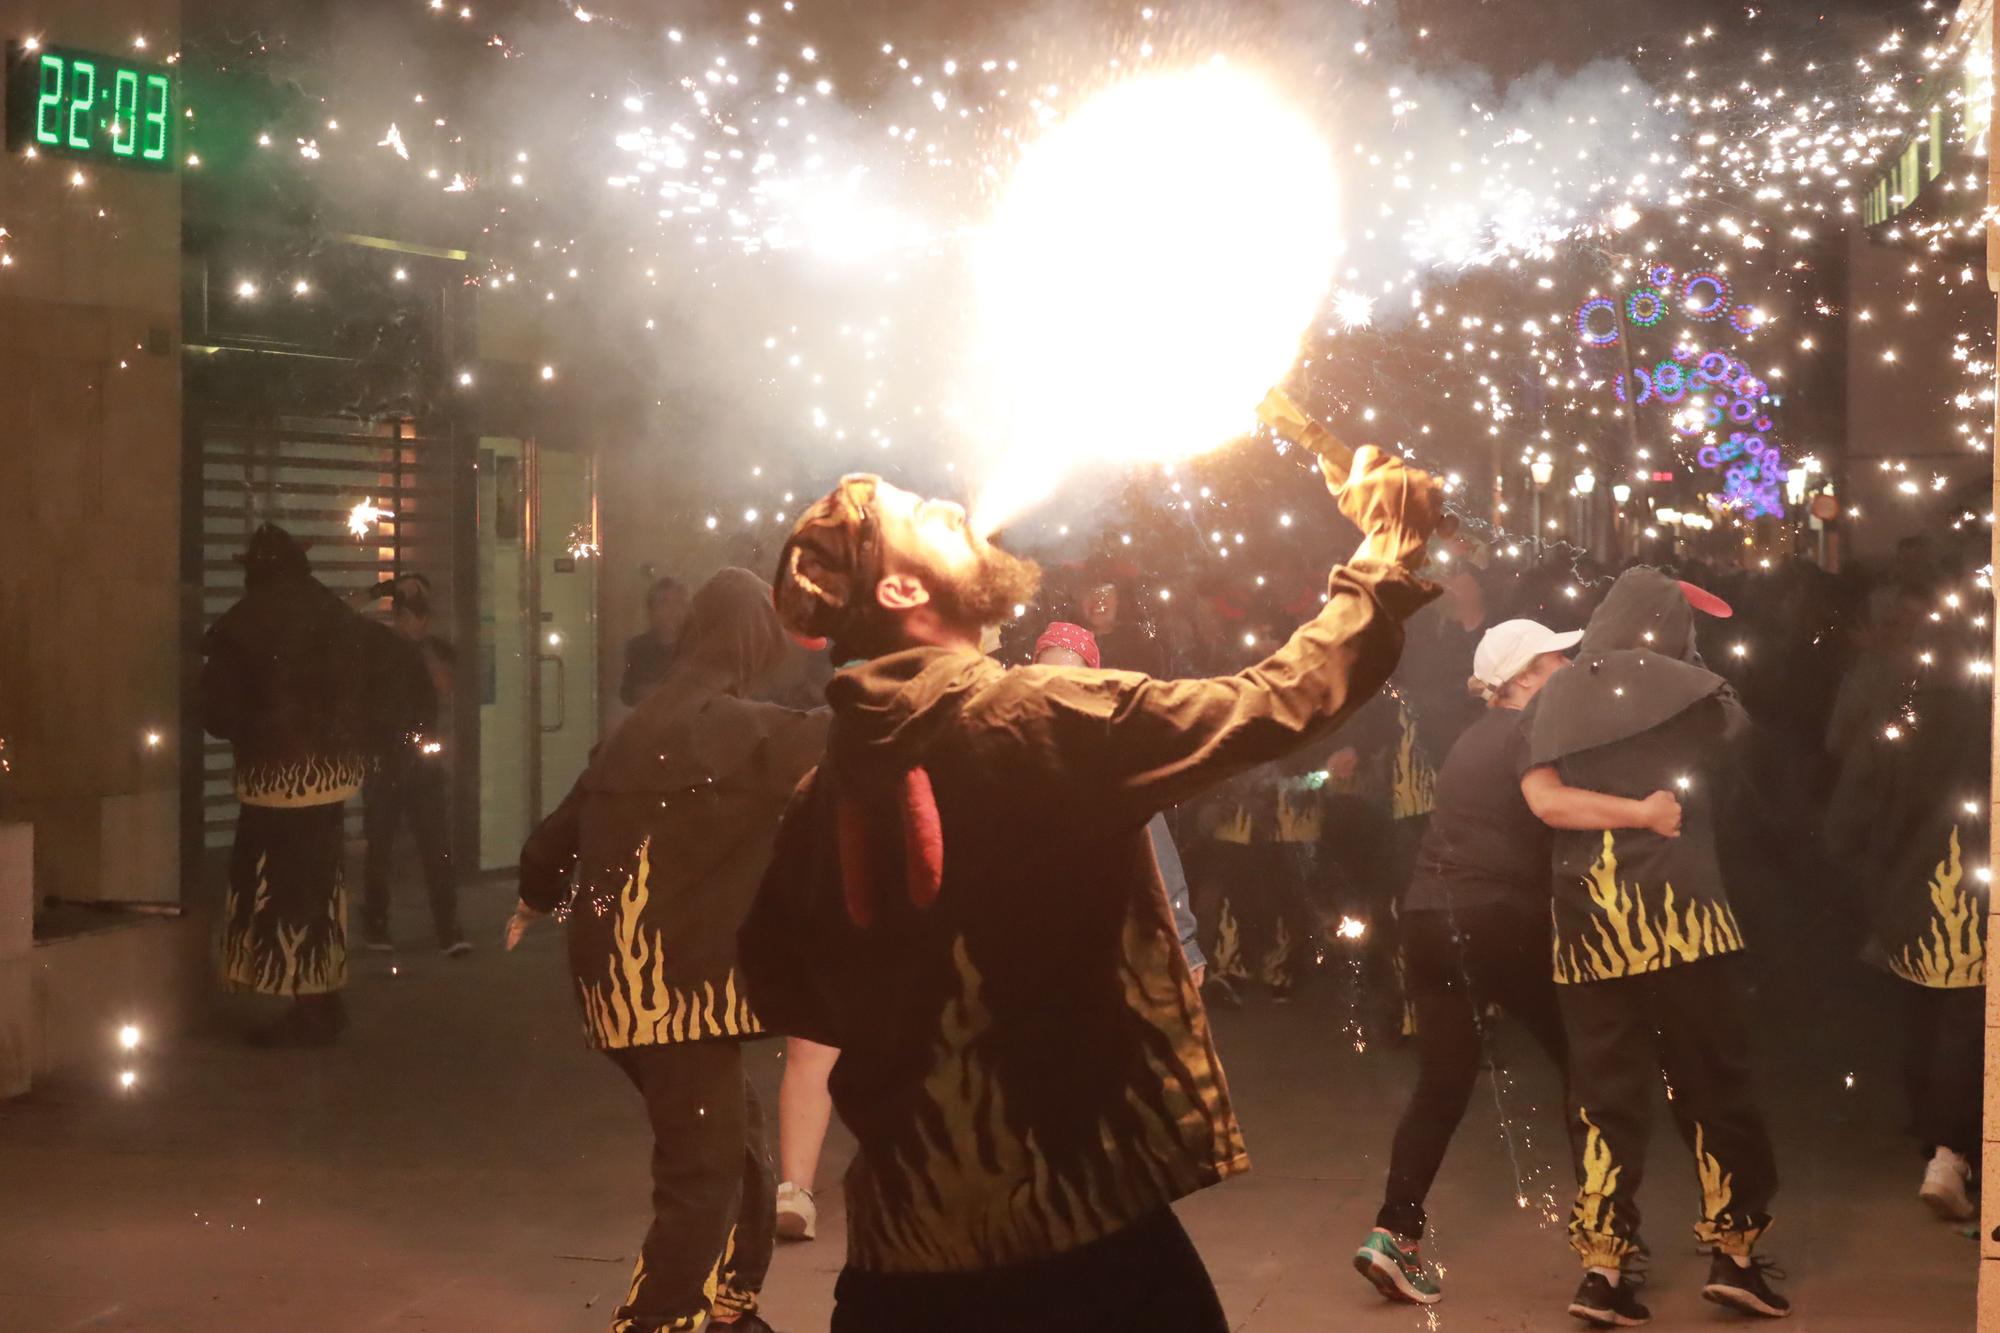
{"x":1393,"y":1267}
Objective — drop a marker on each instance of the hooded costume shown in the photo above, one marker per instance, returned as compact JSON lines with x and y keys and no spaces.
{"x":294,"y":679}
{"x":1643,"y":931}
{"x":1924,"y":818}
{"x":965,"y":901}
{"x":1636,"y":714}
{"x":667,"y":834}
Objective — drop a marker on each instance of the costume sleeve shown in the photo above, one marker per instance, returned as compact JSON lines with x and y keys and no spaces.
{"x":1151,"y":744}
{"x":548,"y":858}
{"x":225,"y":688}
{"x":776,"y":950}
{"x":793,"y":744}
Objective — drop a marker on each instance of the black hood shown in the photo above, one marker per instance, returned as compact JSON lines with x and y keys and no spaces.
{"x":1636,"y":669}
{"x":1645,"y":609}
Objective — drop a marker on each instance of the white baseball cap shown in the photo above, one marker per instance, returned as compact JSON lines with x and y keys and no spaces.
{"x":1505,"y":651}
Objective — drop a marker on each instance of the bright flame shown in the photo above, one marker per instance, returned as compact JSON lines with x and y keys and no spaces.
{"x":1148,"y":275}
{"x":1351,"y":928}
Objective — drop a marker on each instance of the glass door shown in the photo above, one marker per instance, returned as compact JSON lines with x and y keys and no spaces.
{"x":537,"y":636}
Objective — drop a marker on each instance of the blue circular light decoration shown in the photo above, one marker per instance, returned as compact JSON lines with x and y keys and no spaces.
{"x":1589,"y":333}
{"x":1714,"y":367}
{"x":1742,"y":410}
{"x":1670,"y":381}
{"x":1764,"y":423}
{"x":1706,"y":296}
{"x":1645,"y":307}
{"x":1661,"y":276}
{"x":1746,"y":319}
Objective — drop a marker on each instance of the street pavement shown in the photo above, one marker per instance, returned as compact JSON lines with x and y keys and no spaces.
{"x":462,"y":1162}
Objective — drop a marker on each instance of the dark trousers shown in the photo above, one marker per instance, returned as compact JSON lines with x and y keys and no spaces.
{"x":415,"y":787}
{"x":1944,"y":1065}
{"x":1147,"y":1276}
{"x":1457,"y":964}
{"x":1267,"y":929}
{"x":1686,"y":1022}
{"x":715,"y":1197}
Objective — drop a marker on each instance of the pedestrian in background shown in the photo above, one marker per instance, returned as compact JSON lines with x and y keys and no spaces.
{"x":412,"y":779}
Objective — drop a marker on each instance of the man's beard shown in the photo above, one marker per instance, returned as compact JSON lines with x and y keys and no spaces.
{"x":990,"y":592}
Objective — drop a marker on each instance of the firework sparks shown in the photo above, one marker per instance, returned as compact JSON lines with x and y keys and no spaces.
{"x":364,"y":516}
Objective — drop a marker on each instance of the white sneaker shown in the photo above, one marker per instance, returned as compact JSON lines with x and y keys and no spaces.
{"x":798,"y":1219}
{"x":1946,"y":1187}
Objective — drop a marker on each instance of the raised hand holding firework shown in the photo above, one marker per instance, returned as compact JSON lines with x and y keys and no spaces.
{"x":1397,"y":507}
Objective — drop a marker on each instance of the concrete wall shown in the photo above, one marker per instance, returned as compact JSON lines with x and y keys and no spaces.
{"x":89,"y":493}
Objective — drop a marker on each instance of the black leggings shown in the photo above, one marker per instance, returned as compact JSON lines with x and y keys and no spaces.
{"x":1147,"y":1276}
{"x":1944,"y":1062}
{"x":1456,"y":963}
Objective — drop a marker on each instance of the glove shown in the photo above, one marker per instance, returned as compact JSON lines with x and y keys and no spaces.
{"x":1396,"y":507}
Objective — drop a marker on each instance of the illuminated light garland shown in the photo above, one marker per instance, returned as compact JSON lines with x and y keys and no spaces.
{"x":1670,"y":381}
{"x":1589,"y":334}
{"x":1661,"y":276}
{"x":1717,"y":304}
{"x":1645,"y":307}
{"x":1746,"y":319}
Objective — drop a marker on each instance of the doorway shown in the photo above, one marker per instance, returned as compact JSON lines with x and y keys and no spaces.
{"x":538,"y":703}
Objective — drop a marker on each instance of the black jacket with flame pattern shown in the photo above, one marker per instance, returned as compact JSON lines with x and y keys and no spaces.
{"x":656,"y":852}
{"x":1024,"y":1062}
{"x":1927,"y":824}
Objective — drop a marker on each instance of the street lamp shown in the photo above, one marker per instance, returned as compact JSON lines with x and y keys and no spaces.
{"x":1586,"y":482}
{"x":1621,"y":493}
{"x":1541,"y":470}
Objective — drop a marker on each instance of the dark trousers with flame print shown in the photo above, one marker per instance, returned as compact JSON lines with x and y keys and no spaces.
{"x":714,"y":1192}
{"x":1685,"y":1023}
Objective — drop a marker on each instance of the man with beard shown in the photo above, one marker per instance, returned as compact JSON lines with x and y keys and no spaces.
{"x":963,"y":899}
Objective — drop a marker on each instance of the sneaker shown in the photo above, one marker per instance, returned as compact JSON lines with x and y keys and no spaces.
{"x":1606,"y":1304}
{"x":1744,"y":1288}
{"x":1219,"y":993}
{"x":798,"y":1219}
{"x":1393,"y":1267}
{"x":458,"y":948}
{"x":1947,"y":1187}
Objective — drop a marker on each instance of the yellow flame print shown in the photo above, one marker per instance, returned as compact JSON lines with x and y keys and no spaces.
{"x":1413,"y":785}
{"x":1634,"y":937}
{"x":1298,"y":817}
{"x":974,"y":1191}
{"x":1277,"y":967}
{"x":306,"y":782}
{"x":686,"y":1323}
{"x":634,"y":1005}
{"x":1592,"y":1223}
{"x":308,"y":959}
{"x":1952,"y":953}
{"x":1229,"y":946}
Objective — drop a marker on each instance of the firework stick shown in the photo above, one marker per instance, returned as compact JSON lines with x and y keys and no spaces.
{"x":1284,"y":416}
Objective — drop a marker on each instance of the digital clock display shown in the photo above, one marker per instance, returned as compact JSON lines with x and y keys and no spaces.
{"x":83,"y":104}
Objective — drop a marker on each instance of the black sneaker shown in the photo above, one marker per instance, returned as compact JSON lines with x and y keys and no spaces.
{"x":1606,"y":1304}
{"x":1744,"y":1288}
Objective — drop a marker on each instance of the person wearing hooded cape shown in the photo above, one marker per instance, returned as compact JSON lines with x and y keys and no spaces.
{"x":1645,"y":942}
{"x":965,"y":901}
{"x":652,"y":859}
{"x":291,"y":678}
{"x":1923,"y":817}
